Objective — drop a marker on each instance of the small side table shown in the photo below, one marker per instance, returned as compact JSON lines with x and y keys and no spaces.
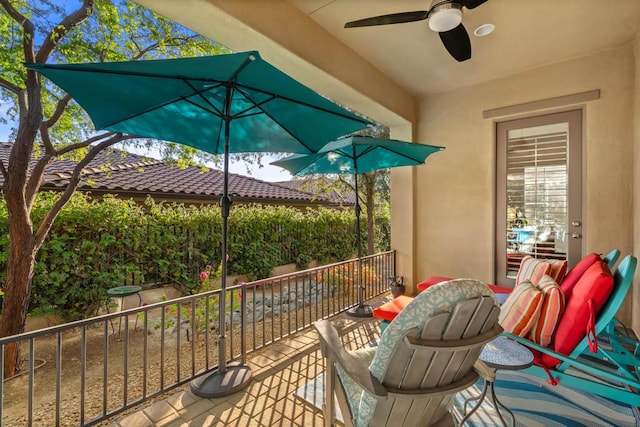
{"x":501,"y":353}
{"x":122,"y":292}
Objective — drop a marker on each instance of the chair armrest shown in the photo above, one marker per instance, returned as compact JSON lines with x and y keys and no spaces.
{"x":332,"y":348}
{"x":621,"y":375}
{"x":545,"y":350}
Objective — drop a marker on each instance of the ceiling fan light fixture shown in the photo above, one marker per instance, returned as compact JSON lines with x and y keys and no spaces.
{"x":484,"y":30}
{"x":445,"y":17}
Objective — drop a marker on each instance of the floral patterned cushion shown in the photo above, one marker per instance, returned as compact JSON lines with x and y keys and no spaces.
{"x":352,"y":389}
{"x":436,"y":299}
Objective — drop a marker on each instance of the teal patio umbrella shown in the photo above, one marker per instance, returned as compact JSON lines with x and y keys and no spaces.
{"x":219,"y":104}
{"x":356,"y":155}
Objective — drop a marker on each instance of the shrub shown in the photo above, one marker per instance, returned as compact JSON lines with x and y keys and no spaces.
{"x":95,"y":245}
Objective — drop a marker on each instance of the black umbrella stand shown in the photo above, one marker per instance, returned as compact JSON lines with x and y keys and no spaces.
{"x":361,"y":310}
{"x":229,"y":378}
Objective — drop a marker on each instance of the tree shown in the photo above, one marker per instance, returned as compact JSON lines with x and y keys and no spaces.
{"x":50,"y":125}
{"x":374,"y":188}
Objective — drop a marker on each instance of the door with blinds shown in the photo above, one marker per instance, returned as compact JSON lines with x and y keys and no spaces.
{"x":539,"y":191}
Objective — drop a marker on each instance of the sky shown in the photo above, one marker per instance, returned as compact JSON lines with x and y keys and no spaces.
{"x":265,"y":173}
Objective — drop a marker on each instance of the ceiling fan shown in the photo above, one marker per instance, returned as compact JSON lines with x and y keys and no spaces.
{"x":445,"y":17}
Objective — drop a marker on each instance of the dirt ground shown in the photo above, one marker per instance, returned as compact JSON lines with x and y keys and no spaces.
{"x":124,"y":378}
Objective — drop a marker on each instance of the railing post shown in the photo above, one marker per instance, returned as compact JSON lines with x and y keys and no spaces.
{"x":243,"y":324}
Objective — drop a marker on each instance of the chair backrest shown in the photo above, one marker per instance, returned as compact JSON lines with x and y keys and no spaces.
{"x":429,"y":350}
{"x":622,"y":278}
{"x":611,"y":258}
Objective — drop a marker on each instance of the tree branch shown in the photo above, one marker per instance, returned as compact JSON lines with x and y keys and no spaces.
{"x":27,"y":26}
{"x":9,"y":86}
{"x":59,"y":31}
{"x":13,"y":12}
{"x":47,"y":222}
{"x":153,"y":46}
{"x":60,"y":107}
{"x":37,"y":174}
{"x":142,"y":52}
{"x":46,"y":138}
{"x":68,"y":148}
{"x":35,"y":179}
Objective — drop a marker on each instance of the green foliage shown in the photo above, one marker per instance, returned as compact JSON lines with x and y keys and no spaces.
{"x":97,"y":245}
{"x":116,"y":30}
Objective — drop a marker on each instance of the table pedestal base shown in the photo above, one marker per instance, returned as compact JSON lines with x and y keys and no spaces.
{"x":501,"y":353}
{"x":488,"y":388}
{"x":360,"y":311}
{"x":122,"y":292}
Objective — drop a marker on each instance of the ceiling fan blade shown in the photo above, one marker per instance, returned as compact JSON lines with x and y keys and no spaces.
{"x":394,"y":18}
{"x":472,"y":4}
{"x":457,"y":43}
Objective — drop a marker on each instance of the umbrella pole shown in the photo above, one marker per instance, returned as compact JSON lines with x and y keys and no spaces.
{"x":361,"y":310}
{"x":228,"y":379}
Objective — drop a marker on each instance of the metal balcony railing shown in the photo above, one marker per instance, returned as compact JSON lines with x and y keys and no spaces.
{"x":84,"y":372}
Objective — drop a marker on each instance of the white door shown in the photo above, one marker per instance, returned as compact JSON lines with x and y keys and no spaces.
{"x":538,"y":191}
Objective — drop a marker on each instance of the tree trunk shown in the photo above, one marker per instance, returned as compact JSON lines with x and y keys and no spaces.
{"x":22,"y":245}
{"x":17,"y":294}
{"x":370,"y":207}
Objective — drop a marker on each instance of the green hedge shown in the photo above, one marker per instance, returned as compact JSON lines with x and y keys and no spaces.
{"x":96,"y":245}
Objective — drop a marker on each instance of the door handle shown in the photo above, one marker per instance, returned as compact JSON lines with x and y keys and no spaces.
{"x":576,"y":235}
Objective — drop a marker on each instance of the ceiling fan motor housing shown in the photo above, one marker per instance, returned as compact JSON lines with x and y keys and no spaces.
{"x":444,"y":15}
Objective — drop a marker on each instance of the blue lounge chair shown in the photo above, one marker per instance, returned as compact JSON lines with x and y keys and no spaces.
{"x":613,"y":367}
{"x":611,"y":258}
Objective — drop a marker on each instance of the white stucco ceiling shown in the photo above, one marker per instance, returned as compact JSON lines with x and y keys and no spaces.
{"x":528,"y":34}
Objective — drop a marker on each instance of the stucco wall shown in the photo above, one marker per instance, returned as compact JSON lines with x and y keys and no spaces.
{"x":636,"y":186}
{"x":454,"y":231}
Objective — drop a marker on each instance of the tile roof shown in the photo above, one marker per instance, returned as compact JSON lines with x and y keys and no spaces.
{"x":318,"y":186}
{"x":128,"y":174}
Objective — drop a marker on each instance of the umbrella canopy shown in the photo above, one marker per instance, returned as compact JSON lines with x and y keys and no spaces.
{"x":358,"y":154}
{"x":189,"y":100}
{"x":218,"y":104}
{"x":355,"y":155}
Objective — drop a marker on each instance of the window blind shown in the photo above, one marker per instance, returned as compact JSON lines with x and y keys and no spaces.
{"x":537,"y":189}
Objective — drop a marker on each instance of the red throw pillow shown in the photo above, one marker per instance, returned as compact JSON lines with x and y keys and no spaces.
{"x":434,"y":280}
{"x":430,"y":281}
{"x":389,"y":310}
{"x":576,"y":272}
{"x":588,"y":296}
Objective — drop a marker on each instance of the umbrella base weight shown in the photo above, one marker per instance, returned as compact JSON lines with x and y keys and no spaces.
{"x":360,"y":311}
{"x":219,"y":384}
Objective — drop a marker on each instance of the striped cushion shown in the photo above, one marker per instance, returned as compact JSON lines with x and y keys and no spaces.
{"x":550,"y":313}
{"x":532,"y":270}
{"x":558,"y":269}
{"x":521,"y":309}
